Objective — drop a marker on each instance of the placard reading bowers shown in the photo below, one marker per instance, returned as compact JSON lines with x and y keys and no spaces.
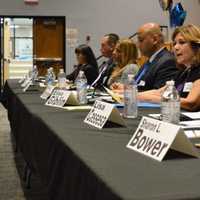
{"x":58,"y":98}
{"x":101,"y":112}
{"x":153,"y":138}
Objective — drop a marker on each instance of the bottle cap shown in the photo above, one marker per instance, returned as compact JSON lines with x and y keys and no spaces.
{"x":61,"y":70}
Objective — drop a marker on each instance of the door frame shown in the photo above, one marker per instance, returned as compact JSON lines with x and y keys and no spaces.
{"x":33,"y":17}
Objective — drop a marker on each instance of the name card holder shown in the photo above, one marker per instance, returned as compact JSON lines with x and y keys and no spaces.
{"x":153,"y":138}
{"x":60,"y":97}
{"x":101,"y":112}
{"x":73,"y":99}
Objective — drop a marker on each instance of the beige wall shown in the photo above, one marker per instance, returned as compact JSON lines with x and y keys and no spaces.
{"x":97,"y":17}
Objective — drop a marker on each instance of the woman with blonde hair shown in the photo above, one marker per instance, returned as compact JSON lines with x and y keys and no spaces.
{"x":186,"y":47}
{"x":125,"y":55}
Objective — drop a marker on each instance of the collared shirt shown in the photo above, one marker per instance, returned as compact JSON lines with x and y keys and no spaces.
{"x":145,"y":66}
{"x":160,"y":68}
{"x":155,"y":54}
{"x":105,"y":70}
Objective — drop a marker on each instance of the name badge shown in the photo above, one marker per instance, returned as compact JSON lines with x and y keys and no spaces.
{"x":187,"y":87}
{"x":141,"y":83}
{"x":153,"y":138}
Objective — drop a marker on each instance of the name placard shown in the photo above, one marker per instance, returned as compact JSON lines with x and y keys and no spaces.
{"x":153,"y":138}
{"x":58,"y":98}
{"x":47,"y":92}
{"x":101,"y":112}
{"x":61,"y":97}
{"x":22,"y":80}
{"x":26,"y":82}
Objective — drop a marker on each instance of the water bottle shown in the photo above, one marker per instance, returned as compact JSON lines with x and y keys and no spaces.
{"x":34,"y":73}
{"x":81,"y":87}
{"x":170,"y":104}
{"x":61,"y":79}
{"x":130,"y":97}
{"x":50,"y":77}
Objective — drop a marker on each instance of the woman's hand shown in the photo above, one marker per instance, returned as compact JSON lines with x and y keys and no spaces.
{"x":117,"y":88}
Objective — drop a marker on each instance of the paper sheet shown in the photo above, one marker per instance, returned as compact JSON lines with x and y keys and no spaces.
{"x":192,"y":115}
{"x":192,"y":134}
{"x":190,"y":125}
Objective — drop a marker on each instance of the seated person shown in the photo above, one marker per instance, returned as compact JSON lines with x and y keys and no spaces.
{"x":186,"y":47}
{"x":161,"y":65}
{"x":125,"y":55}
{"x":108,"y":43}
{"x":86,"y":62}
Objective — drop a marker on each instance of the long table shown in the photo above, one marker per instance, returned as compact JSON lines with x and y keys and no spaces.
{"x":79,"y":162}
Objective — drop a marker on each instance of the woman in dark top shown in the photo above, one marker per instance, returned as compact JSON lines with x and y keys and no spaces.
{"x":186,"y":47}
{"x":86,"y":62}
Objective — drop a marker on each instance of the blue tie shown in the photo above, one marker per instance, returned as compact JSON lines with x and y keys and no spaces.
{"x":141,"y":72}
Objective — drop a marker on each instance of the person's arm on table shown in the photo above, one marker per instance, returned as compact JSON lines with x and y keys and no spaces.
{"x":192,"y":101}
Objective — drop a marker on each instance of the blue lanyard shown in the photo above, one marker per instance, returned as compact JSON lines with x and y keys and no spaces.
{"x":146,"y":65}
{"x":142,"y":72}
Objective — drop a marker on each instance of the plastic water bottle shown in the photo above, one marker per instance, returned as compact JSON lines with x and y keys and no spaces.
{"x":61,"y":79}
{"x":50,"y":78}
{"x":130,"y":97}
{"x":34,"y":73}
{"x":81,"y":87}
{"x":170,"y":104}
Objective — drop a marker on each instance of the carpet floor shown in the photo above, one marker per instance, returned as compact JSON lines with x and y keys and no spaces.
{"x":12,"y":186}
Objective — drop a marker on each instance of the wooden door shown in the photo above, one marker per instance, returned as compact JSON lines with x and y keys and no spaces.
{"x":49,"y":43}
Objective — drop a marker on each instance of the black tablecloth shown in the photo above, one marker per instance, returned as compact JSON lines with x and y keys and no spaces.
{"x":79,"y":162}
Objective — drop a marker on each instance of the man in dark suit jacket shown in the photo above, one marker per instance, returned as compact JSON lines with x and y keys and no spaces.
{"x":108,"y":43}
{"x":161,"y":65}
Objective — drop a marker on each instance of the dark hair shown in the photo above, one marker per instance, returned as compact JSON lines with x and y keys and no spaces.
{"x":86,"y":51}
{"x":112,"y":38}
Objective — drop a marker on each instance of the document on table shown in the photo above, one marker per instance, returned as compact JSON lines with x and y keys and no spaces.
{"x":190,"y":125}
{"x":192,"y":133}
{"x":191,"y":128}
{"x":192,"y":115}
